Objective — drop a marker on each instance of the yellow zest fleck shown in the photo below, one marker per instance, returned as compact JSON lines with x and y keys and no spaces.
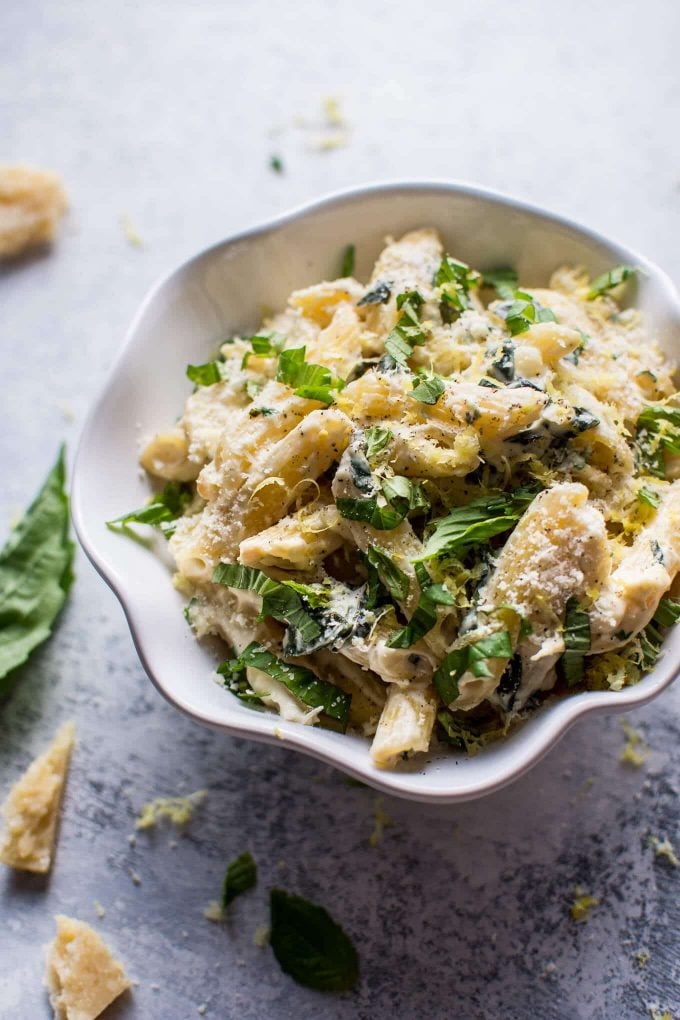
{"x":582,"y":905}
{"x":179,"y":810}
{"x":635,"y":751}
{"x":381,"y":822}
{"x":641,"y":957}
{"x":273,"y":480}
{"x":131,"y":234}
{"x":331,"y":109}
{"x":261,"y":935}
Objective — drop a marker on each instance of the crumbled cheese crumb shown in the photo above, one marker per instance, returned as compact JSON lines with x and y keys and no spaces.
{"x":136,"y":877}
{"x":214,"y":912}
{"x":657,"y":1013}
{"x":381,"y":822}
{"x":635,"y":750}
{"x":549,"y":969}
{"x":31,"y":811}
{"x":202,"y":1009}
{"x":179,"y":810}
{"x":261,"y":935}
{"x":82,"y":976}
{"x":31,"y":204}
{"x":664,"y":848}
{"x":132,"y":839}
{"x":582,"y":905}
{"x":99,"y":909}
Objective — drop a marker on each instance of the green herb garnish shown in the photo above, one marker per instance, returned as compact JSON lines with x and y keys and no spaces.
{"x":35,"y":574}
{"x":455,"y":279}
{"x":313,"y":382}
{"x":425,"y":614}
{"x":503,"y":280}
{"x":408,"y":333}
{"x":162,"y":511}
{"x":476,"y":523}
{"x":522,"y":312}
{"x":394,"y":579}
{"x":276,"y":164}
{"x":280,"y":600}
{"x":206,"y":375}
{"x":473,"y":658}
{"x":576,"y":635}
{"x":347,"y":261}
{"x":240,"y":877}
{"x":301,"y":682}
{"x":261,"y":412}
{"x":612,"y":278}
{"x":264,"y":345}
{"x":428,"y":388}
{"x":658,"y":431}
{"x":402,"y":496}
{"x":310,"y":946}
{"x":377,"y":439}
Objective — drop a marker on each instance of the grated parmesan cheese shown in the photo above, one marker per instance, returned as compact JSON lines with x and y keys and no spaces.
{"x":82,"y":976}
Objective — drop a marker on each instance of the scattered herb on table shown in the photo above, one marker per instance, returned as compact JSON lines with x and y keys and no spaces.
{"x":310,"y":946}
{"x":241,"y":876}
{"x":35,"y":574}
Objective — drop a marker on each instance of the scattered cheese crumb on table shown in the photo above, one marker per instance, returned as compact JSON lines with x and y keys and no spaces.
{"x":261,"y":935}
{"x":82,"y":976}
{"x":664,"y":848}
{"x":32,"y":202}
{"x":99,"y":909}
{"x":132,"y":235}
{"x":31,"y":811}
{"x":214,"y":912}
{"x":178,"y":810}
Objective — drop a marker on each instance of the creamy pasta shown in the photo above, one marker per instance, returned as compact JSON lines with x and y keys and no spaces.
{"x":416,"y":507}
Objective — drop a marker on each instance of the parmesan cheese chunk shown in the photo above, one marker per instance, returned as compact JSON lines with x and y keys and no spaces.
{"x":31,"y":811}
{"x":31,"y":204}
{"x":82,"y":976}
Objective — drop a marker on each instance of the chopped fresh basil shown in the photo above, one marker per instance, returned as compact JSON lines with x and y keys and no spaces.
{"x":382,"y":518}
{"x":310,"y":946}
{"x":503,"y":368}
{"x":379,"y":295}
{"x":575,"y":355}
{"x":394,"y":579}
{"x":377,"y":439}
{"x":276,"y":164}
{"x":667,"y":612}
{"x":162,"y":511}
{"x":522,"y":312}
{"x":425,"y":614}
{"x":301,"y":682}
{"x":658,"y":431}
{"x":476,"y":523}
{"x":279,"y":600}
{"x":261,"y":412}
{"x":473,"y":658}
{"x":612,"y":278}
{"x":455,"y":279}
{"x":206,"y":375}
{"x":240,"y":877}
{"x":503,"y":280}
{"x":236,"y":681}
{"x":408,"y":332}
{"x":264,"y":345}
{"x":347,"y":261}
{"x":402,"y":496}
{"x":576,"y":642}
{"x":35,"y":574}
{"x":313,"y":382}
{"x":428,"y":388}
{"x":360,"y":469}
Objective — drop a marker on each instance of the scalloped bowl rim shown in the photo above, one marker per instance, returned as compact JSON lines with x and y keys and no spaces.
{"x":552,"y":722}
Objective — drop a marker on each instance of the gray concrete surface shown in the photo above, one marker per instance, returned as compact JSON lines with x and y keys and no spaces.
{"x":168,"y":112}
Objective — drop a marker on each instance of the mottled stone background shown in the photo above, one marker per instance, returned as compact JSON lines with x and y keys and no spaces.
{"x":169,"y":112}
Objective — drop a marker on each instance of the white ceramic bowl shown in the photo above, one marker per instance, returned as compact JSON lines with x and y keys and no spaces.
{"x":222,"y":291}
